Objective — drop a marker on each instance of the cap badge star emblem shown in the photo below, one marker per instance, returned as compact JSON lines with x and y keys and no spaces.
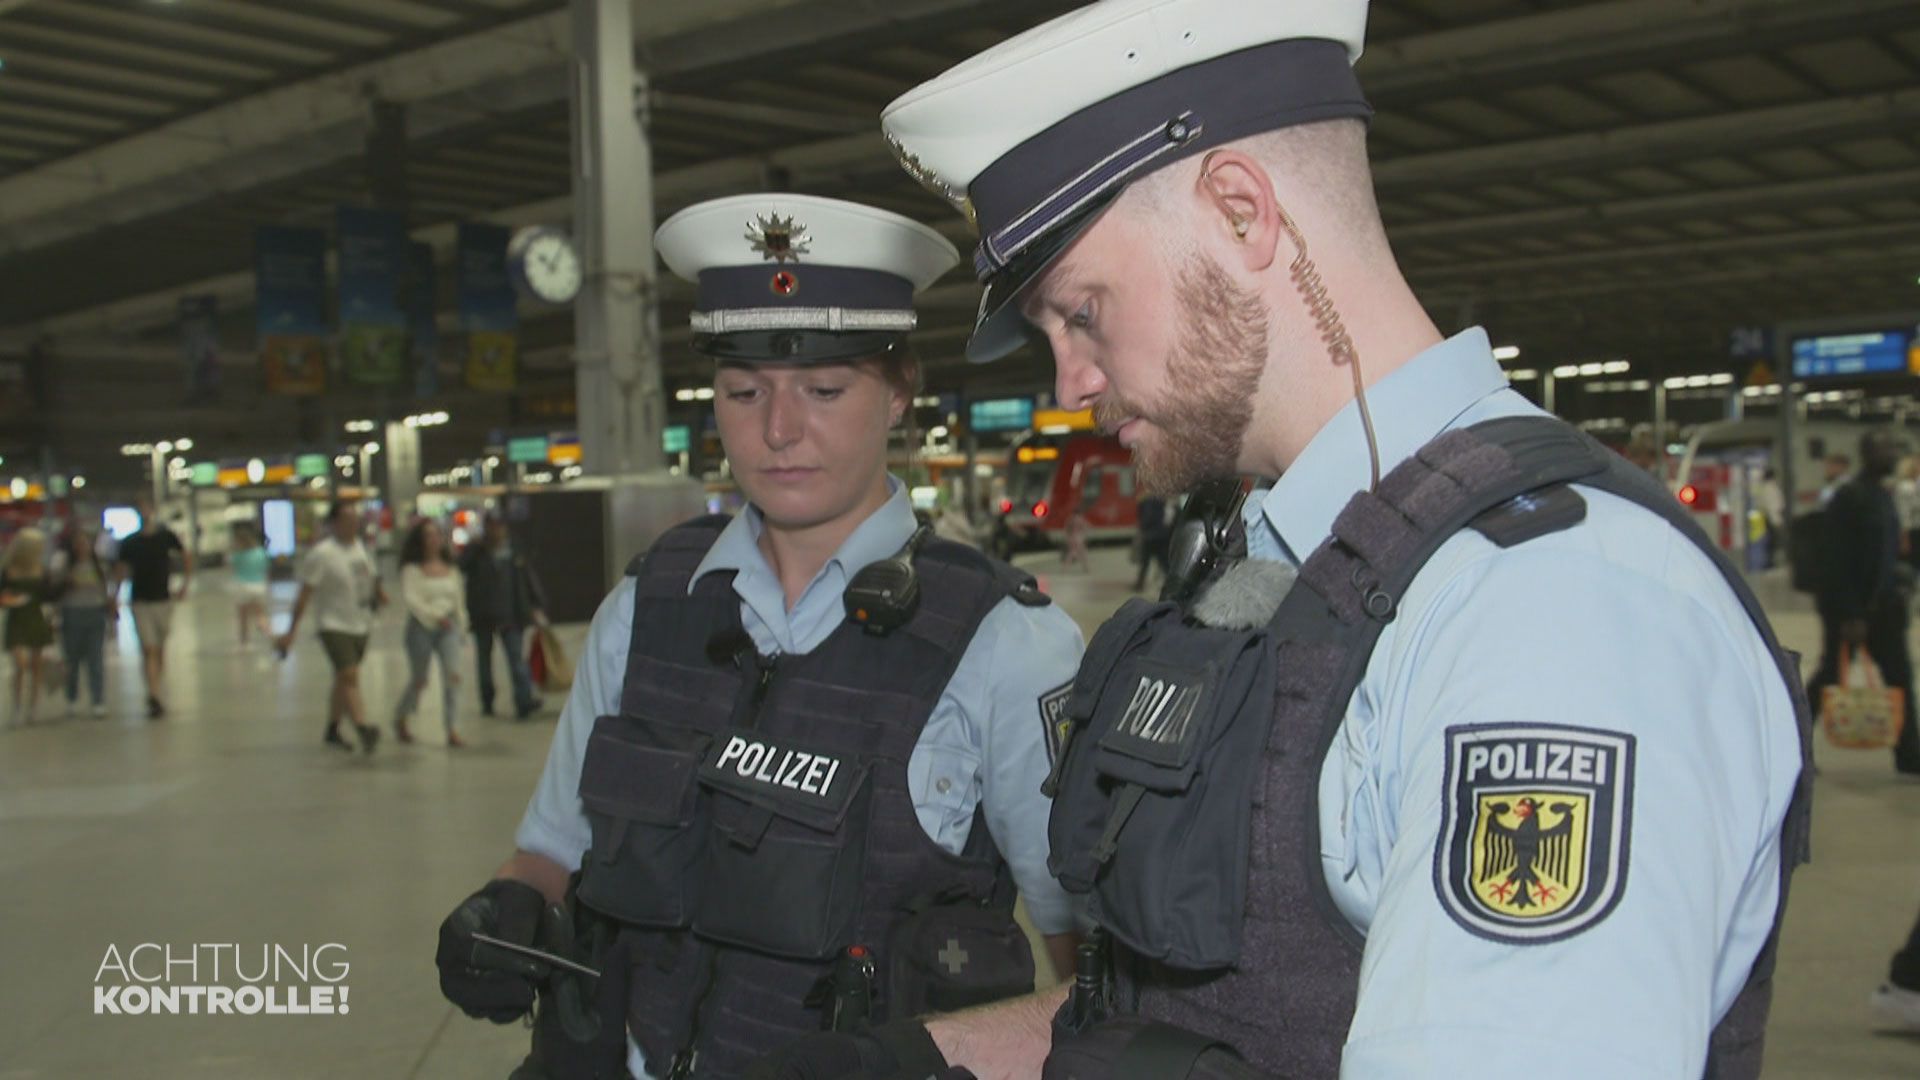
{"x":778,"y":238}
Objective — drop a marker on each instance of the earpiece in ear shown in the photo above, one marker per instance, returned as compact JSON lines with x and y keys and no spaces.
{"x":1240,"y":224}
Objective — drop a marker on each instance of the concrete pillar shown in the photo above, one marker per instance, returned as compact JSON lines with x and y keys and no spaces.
{"x":401,"y":448}
{"x":622,"y":407}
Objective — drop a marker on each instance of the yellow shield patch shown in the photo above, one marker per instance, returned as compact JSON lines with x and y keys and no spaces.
{"x":1537,"y":831}
{"x":1530,"y":851}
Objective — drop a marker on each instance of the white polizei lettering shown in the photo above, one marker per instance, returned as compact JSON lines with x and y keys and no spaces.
{"x":1183,"y":705}
{"x":791,"y":769}
{"x":815,"y":770}
{"x":750,"y":759}
{"x":1150,"y":726}
{"x":1146,"y":704}
{"x":1558,"y":770}
{"x":1141,"y":702}
{"x":1523,"y":769}
{"x":767,"y":768}
{"x":1599,"y":768}
{"x":1502,"y":764}
{"x":833,"y":766}
{"x":733,"y":748}
{"x":1476,"y":760}
{"x":1583,"y":765}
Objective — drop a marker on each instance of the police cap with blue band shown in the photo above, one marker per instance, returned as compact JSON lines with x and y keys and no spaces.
{"x":800,"y":279}
{"x":1035,"y":137}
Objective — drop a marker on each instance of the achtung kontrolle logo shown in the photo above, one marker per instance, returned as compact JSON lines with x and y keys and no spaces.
{"x":221,"y":979}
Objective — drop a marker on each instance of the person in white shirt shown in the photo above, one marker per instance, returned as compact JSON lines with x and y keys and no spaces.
{"x":338,"y":580}
{"x":435,"y":598}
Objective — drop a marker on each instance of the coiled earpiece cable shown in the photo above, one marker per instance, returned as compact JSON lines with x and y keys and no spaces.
{"x":1313,"y":289}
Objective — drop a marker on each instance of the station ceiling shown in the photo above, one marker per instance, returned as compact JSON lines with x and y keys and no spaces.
{"x":1620,"y":179}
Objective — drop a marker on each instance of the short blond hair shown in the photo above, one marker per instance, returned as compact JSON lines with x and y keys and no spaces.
{"x":1324,"y":163}
{"x":27,"y":554}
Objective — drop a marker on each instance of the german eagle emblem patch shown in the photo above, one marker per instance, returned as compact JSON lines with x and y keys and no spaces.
{"x":1534,"y":836}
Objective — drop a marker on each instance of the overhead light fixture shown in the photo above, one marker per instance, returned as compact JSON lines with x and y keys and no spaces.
{"x":360,"y":425}
{"x":1504,"y":353}
{"x":79,"y":482}
{"x":1522,"y":374}
{"x":182,"y":444}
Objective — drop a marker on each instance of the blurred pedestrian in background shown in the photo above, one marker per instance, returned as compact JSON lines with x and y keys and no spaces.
{"x":87,"y":608}
{"x":435,"y":599}
{"x":25,"y":590}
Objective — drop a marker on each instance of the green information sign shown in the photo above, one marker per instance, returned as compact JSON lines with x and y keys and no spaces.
{"x":530,"y":450}
{"x":1000,"y":414}
{"x":205,"y":474}
{"x":307,"y":465}
{"x":676,"y":439}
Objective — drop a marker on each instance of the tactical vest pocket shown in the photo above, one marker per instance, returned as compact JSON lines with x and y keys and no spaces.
{"x":1154,"y":811}
{"x":955,"y":956}
{"x":782,"y":872}
{"x":648,"y":818}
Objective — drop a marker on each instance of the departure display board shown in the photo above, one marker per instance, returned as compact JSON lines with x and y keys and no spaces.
{"x":1871,"y":352}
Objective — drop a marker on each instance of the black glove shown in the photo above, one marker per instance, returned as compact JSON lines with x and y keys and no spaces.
{"x":499,"y":987}
{"x":901,"y":1049}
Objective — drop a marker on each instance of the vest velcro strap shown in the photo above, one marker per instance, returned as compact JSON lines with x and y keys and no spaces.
{"x":1130,"y":794}
{"x":748,"y":832}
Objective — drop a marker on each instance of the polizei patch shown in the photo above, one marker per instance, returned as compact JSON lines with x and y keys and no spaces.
{"x":764,"y":767}
{"x":1054,"y":718}
{"x":1534,"y":839}
{"x":1162,"y":715}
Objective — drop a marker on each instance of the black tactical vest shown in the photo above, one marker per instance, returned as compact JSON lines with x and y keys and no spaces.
{"x":751,"y":817}
{"x":1277,"y":971}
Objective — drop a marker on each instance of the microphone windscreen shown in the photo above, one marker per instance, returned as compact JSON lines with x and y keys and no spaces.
{"x":1245,"y":595}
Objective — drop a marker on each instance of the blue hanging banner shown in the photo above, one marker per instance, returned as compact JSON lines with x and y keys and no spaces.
{"x":488,"y":306}
{"x":423,"y":333}
{"x":373,"y":329}
{"x":290,"y":308}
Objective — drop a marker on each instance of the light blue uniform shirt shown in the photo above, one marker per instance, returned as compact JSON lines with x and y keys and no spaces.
{"x":984,"y":744}
{"x":1618,"y":624}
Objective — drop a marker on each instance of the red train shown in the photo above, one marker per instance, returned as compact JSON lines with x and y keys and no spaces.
{"x":1050,"y":474}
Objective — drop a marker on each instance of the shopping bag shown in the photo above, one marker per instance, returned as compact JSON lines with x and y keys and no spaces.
{"x":1861,"y":712}
{"x":559,"y":668}
{"x":537,"y":662}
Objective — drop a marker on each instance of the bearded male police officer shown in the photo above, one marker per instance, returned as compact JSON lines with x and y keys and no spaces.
{"x":1513,"y":771}
{"x":793,"y":793}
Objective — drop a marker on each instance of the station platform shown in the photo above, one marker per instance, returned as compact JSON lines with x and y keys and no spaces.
{"x":228,"y":822}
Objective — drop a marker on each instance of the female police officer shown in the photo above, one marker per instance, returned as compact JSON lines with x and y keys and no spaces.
{"x":772,"y":773}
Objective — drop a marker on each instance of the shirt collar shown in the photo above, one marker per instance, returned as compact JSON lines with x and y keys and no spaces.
{"x":1424,"y":397}
{"x":880,"y":536}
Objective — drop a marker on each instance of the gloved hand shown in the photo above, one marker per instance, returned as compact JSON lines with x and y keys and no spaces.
{"x":898,"y":1049}
{"x":501,"y":988}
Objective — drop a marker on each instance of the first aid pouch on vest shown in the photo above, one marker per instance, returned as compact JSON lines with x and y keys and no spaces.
{"x":1153,"y":810}
{"x":941,"y":957}
{"x":637,"y":786}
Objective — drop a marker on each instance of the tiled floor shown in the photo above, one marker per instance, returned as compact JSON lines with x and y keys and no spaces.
{"x":230,"y":824}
